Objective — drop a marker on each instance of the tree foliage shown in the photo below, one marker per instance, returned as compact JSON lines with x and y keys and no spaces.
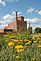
{"x":37,"y":30}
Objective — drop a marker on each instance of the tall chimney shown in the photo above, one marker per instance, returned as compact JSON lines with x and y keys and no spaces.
{"x":16,"y":16}
{"x":16,"y":20}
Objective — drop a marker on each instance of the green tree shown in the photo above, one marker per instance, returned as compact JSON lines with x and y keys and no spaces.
{"x":37,"y":30}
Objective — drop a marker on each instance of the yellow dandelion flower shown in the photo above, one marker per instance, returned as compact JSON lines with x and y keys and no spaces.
{"x":39,"y":46}
{"x":19,"y":47}
{"x":10,"y":44}
{"x":33,"y":59}
{"x":15,"y":41}
{"x":12,"y":36}
{"x":17,"y":57}
{"x":29,"y":42}
{"x":5,"y":35}
{"x":35,"y":41}
{"x":25,"y":40}
{"x":20,"y":50}
{"x":21,"y":40}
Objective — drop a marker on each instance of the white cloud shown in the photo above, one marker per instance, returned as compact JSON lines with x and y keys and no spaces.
{"x":38,"y":26}
{"x":30,"y":10}
{"x":19,"y":13}
{"x":36,"y":11}
{"x":9,"y":1}
{"x":33,"y":20}
{"x":3,"y":25}
{"x":13,"y":13}
{"x":12,"y":1}
{"x":2,"y":2}
{"x":39,"y":12}
{"x":1,"y":22}
{"x":8,"y":18}
{"x":11,"y":16}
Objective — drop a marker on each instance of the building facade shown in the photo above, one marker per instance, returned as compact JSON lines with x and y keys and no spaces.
{"x":18,"y":25}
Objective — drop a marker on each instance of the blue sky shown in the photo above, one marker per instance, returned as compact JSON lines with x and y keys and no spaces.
{"x":30,"y":9}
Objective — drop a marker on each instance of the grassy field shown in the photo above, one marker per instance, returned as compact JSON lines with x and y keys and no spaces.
{"x":20,"y":47}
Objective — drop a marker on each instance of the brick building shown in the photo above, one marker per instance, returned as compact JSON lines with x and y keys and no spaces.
{"x":18,"y":25}
{"x":1,"y":31}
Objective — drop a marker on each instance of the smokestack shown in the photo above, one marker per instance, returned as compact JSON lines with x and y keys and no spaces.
{"x":16,"y":16}
{"x":16,"y":20}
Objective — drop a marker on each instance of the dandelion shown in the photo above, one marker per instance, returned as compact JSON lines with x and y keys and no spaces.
{"x":25,"y":40}
{"x":12,"y":36}
{"x":35,"y":41}
{"x":20,"y":50}
{"x":21,"y":40}
{"x":34,"y":59}
{"x":5,"y":35}
{"x":19,"y":47}
{"x":18,"y":57}
{"x":29,"y":42}
{"x":10,"y":44}
{"x":15,"y":41}
{"x":39,"y":46}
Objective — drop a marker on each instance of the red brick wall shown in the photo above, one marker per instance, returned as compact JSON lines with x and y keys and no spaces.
{"x":21,"y":24}
{"x":21,"y":18}
{"x":17,"y":26}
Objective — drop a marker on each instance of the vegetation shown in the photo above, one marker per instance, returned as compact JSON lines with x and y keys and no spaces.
{"x":37,"y":30}
{"x":20,"y":47}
